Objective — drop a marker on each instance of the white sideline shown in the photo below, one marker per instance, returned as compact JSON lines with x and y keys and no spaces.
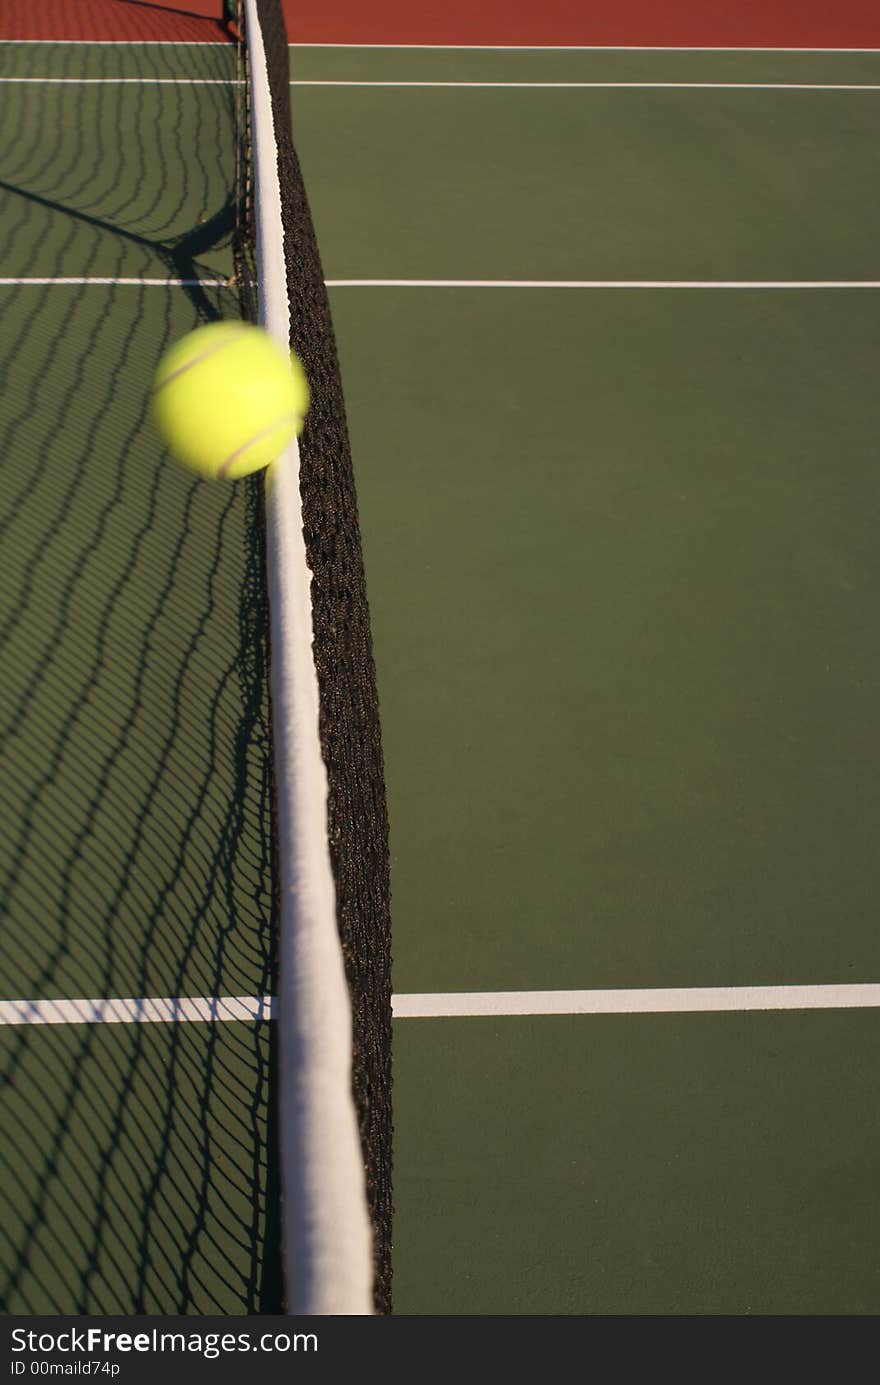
{"x":676,"y":1000}
{"x":569,"y":48}
{"x":626,"y":86}
{"x":604,"y":283}
{"x":431,"y":47}
{"x":340,"y":82}
{"x":140,"y":1010}
{"x":117,"y":283}
{"x":220,"y":282}
{"x":121,"y":81}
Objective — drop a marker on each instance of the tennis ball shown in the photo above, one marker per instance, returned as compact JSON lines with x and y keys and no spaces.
{"x":227,"y":399}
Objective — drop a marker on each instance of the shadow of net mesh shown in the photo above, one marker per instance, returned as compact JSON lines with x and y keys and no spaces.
{"x":137,"y":855}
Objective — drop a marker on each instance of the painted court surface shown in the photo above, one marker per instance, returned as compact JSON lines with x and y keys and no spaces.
{"x":608,"y":327}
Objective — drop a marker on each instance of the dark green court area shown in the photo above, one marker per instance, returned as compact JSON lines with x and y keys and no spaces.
{"x":623,"y":566}
{"x":482,"y":183}
{"x":638,"y":1165}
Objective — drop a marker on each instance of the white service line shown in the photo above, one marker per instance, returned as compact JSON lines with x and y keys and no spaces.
{"x":562,"y":86}
{"x":626,"y":86}
{"x":478,"y":283}
{"x":121,"y":81}
{"x":118,"y":42}
{"x":604,"y":283}
{"x":124,"y":283}
{"x":679,"y":1000}
{"x":567,"y":48}
{"x":426,"y":47}
{"x":456,"y":1004}
{"x":149,"y":1010}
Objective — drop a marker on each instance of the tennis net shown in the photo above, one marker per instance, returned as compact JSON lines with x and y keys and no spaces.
{"x":276,"y":240}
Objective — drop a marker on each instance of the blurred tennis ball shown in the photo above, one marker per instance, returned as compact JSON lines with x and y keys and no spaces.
{"x":227,"y":399}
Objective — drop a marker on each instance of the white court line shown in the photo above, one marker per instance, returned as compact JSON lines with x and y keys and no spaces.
{"x":419,"y":47}
{"x":562,"y":48}
{"x":152,"y":1010}
{"x":124,"y":283}
{"x":679,"y":1000}
{"x":625,"y":86}
{"x":547,"y":86}
{"x":136,"y":42}
{"x":604,"y":283}
{"x":498,"y":1004}
{"x":121,"y":81}
{"x":481,"y":283}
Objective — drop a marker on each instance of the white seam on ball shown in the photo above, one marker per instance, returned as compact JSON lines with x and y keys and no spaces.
{"x":257,"y":437}
{"x":197,"y":360}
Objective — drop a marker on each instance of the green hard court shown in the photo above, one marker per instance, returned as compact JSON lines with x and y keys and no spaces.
{"x":622,"y":566}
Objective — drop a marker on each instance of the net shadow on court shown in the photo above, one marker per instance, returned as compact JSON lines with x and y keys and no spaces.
{"x":138,"y":856}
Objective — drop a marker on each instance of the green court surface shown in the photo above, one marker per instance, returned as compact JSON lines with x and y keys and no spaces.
{"x":386,"y":64}
{"x":475,"y":183}
{"x":659,"y":1164}
{"x":621,"y":558}
{"x":622,"y":570}
{"x":629,"y":539}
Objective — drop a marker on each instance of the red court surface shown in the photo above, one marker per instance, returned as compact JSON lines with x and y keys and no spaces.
{"x":588,"y":23}
{"x":119,"y":21}
{"x":563,"y":23}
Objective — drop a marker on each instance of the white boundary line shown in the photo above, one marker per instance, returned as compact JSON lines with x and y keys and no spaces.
{"x":600,"y":86}
{"x":509,"y":86}
{"x":456,"y":1004}
{"x":419,"y":47}
{"x":149,"y":1010}
{"x":121,"y":81}
{"x":120,"y":283}
{"x":514,"y":86}
{"x":133,"y":42}
{"x":568,"y":48}
{"x":475,"y":283}
{"x":604,"y":283}
{"x":678,"y":1000}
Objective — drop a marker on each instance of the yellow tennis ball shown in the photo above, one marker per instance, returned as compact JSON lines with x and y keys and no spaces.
{"x":227,"y":399}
